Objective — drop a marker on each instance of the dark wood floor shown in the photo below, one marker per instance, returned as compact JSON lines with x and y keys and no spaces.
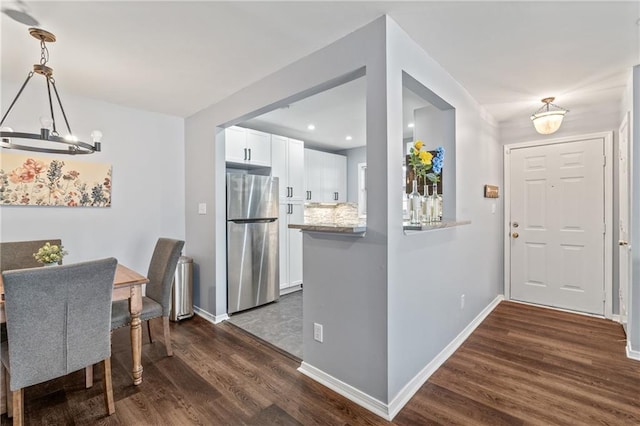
{"x":523,"y":365}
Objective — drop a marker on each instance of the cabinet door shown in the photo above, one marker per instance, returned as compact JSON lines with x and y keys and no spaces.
{"x":235,"y":140}
{"x":295,"y":245}
{"x":296,"y":163}
{"x":330,"y":178}
{"x":340,"y":164}
{"x":283,"y":220}
{"x":259,"y":146}
{"x":279,"y":164}
{"x":314,"y":175}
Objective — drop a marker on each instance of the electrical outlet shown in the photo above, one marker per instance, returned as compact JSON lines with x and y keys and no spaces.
{"x":317,"y":332}
{"x":202,"y":208}
{"x":462,"y":302}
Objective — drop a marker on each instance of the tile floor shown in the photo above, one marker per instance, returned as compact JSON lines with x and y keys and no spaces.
{"x":279,"y":323}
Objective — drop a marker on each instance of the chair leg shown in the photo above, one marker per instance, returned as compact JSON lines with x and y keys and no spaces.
{"x":167,"y":336}
{"x":88,"y":376}
{"x":108,"y":387}
{"x":7,"y":393}
{"x":18,"y":407}
{"x":149,"y":330}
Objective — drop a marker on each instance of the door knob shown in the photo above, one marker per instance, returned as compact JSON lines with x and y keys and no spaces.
{"x":623,"y":243}
{"x":515,"y":234}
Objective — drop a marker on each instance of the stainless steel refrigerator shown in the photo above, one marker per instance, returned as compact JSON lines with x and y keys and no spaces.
{"x":253,"y":273}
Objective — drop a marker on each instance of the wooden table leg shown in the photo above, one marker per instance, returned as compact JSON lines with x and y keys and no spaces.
{"x":135,"y":307}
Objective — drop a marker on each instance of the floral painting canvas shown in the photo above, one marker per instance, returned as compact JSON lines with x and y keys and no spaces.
{"x":26,"y":180}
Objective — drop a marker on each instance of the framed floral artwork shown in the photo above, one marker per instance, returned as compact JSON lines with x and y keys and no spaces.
{"x":26,"y":180}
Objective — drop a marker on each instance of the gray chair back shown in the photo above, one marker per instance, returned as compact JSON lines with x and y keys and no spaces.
{"x":19,"y":254}
{"x":161,"y":272}
{"x":58,"y":319}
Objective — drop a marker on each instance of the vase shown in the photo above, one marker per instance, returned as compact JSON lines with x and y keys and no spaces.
{"x":416,"y":204}
{"x":50,"y":264}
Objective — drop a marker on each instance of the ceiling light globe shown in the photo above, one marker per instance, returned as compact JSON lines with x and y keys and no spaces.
{"x":96,"y":136}
{"x":547,"y":123}
{"x":46,"y":122}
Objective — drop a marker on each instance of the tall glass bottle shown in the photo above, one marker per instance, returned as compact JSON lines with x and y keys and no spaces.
{"x":436,"y":212}
{"x":416,"y":204}
{"x":425,"y":204}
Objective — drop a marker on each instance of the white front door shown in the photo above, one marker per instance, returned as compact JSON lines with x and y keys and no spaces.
{"x":624,"y":249}
{"x":557,"y":225}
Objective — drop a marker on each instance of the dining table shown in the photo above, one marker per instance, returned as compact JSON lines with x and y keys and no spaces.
{"x":127,"y":285}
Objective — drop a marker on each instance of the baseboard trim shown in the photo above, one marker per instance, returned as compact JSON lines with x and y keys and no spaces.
{"x":615,"y":317}
{"x":407,"y":392}
{"x":388,"y":412}
{"x":631,"y":353}
{"x":214,"y":319}
{"x":364,"y":400}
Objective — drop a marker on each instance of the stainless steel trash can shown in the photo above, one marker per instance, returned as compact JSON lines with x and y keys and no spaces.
{"x":182,"y":290}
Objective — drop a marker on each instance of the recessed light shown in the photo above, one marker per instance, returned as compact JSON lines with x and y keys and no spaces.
{"x":348,"y":138}
{"x":311,"y":127}
{"x":410,"y":125}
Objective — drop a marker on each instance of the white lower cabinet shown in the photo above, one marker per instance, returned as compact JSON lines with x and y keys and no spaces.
{"x":290,"y":245}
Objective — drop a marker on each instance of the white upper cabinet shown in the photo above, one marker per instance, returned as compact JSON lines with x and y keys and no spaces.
{"x":325,"y":177}
{"x":288,"y":165}
{"x":248,"y":147}
{"x":313,"y":175}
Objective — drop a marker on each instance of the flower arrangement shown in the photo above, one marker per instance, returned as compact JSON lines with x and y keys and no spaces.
{"x":49,"y":253}
{"x":424,"y":163}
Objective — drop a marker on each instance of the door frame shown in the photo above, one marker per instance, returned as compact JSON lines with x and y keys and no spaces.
{"x":608,"y":210}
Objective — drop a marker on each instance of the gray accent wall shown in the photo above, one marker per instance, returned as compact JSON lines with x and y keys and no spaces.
{"x":430,"y":271}
{"x":389,"y":302}
{"x":146,"y":151}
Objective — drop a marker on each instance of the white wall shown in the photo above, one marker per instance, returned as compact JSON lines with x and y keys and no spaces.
{"x":634,"y":291}
{"x":146,"y":151}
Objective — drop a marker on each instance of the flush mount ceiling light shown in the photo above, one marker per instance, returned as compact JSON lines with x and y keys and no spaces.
{"x":549,"y":117}
{"x":311,"y":127}
{"x":48,"y":139}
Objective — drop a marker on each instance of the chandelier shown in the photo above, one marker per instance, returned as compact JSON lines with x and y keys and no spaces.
{"x":548,"y":118}
{"x":48,"y":139}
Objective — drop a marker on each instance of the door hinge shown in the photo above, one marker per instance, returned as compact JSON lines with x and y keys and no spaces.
{"x":604,"y":228}
{"x":604,"y":296}
{"x":604,"y":161}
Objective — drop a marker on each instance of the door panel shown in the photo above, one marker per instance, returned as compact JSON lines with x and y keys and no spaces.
{"x":252,"y":266}
{"x":557,"y":225}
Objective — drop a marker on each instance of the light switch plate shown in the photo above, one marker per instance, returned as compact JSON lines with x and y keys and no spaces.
{"x":202,"y":208}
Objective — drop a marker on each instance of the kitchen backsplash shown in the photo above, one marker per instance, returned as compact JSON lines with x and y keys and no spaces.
{"x":341,"y":213}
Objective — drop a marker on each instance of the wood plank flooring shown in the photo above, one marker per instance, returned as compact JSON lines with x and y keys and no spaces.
{"x":523,"y":366}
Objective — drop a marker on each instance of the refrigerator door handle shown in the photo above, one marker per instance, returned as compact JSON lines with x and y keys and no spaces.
{"x":267,"y":220}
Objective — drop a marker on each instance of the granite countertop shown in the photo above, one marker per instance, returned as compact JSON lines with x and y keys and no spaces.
{"x":336,"y":228}
{"x":406,"y":226}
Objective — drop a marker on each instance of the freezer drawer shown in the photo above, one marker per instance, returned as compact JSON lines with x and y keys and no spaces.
{"x":253,"y":270}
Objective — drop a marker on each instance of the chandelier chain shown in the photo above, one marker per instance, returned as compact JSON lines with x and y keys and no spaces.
{"x":44,"y":53}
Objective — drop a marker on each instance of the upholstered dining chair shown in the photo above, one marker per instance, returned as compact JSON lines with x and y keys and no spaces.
{"x":58,"y":321}
{"x":19,"y":254}
{"x":157,"y":301}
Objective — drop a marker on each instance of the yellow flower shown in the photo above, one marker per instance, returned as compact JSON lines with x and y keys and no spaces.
{"x":425,"y":157}
{"x":418,"y":145}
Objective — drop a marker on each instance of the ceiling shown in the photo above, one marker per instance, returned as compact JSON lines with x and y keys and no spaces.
{"x":179,"y":57}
